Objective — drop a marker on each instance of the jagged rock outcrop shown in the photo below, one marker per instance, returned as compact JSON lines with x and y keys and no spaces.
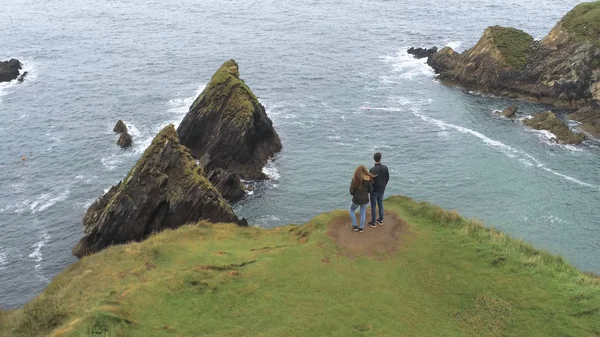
{"x":510,"y":111}
{"x":10,"y":70}
{"x":589,"y":117}
{"x":124,"y":140}
{"x":226,"y":127}
{"x":228,"y":184}
{"x":165,"y":189}
{"x":421,"y":52}
{"x":120,"y":127}
{"x":562,"y":69}
{"x":550,"y":122}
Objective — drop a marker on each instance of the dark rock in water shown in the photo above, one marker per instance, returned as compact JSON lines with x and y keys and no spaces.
{"x":120,"y":127}
{"x":124,"y":140}
{"x":226,"y":127}
{"x":165,"y":189}
{"x":228,"y":184}
{"x":510,"y":111}
{"x":590,"y":119}
{"x":550,"y":122}
{"x":421,"y":52}
{"x":22,"y":77}
{"x":9,"y":70}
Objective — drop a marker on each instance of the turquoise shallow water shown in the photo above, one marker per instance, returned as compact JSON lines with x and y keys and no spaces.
{"x":334,"y":78}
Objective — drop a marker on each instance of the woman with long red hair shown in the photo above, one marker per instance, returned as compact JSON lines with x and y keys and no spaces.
{"x":360,"y":187}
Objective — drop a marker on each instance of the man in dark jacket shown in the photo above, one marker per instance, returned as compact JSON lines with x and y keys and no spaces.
{"x":382,"y":176}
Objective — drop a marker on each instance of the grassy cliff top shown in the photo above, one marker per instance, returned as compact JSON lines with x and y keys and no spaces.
{"x":583,"y":22}
{"x":514,"y":44}
{"x":226,"y":84}
{"x":426,"y":272}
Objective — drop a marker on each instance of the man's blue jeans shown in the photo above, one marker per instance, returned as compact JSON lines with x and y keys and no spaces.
{"x":377,"y":200}
{"x":363,"y":214}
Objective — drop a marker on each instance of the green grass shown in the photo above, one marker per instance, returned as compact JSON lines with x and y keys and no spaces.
{"x":450,"y":277}
{"x":514,"y":44}
{"x":583,"y":22}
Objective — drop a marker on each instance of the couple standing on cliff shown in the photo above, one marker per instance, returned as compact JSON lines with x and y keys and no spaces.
{"x":364,"y":184}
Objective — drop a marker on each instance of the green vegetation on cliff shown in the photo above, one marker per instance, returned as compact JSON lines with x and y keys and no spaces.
{"x":426,"y":272}
{"x":230,"y":94}
{"x":583,"y":22}
{"x":514,"y":44}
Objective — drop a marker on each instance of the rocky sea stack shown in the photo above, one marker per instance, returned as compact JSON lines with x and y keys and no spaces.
{"x":10,"y":70}
{"x":165,"y":189}
{"x":125,"y":139}
{"x":563,"y":69}
{"x":227,"y":127}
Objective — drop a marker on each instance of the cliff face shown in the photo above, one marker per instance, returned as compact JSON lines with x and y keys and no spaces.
{"x":227,"y":128}
{"x":165,"y":189}
{"x":562,"y":69}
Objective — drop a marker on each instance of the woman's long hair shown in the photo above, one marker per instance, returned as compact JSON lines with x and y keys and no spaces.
{"x":360,"y":174}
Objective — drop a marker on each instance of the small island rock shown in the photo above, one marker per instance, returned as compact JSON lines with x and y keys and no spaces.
{"x":120,"y":127}
{"x":124,"y":140}
{"x":9,"y":70}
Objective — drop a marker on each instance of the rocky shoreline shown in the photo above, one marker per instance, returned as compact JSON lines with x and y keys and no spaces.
{"x":562,"y":69}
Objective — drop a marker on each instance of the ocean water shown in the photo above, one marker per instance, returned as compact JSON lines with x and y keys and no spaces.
{"x":335,"y":80}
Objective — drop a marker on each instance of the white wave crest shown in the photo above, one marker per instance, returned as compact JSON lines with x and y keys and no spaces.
{"x":454,"y":45}
{"x":3,"y":260}
{"x":407,"y":66}
{"x":37,"y":256}
{"x":271,"y":171}
{"x":511,"y":152}
{"x":179,"y":106}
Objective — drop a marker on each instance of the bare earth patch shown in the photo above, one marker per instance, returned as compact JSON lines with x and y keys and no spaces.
{"x":375,"y":242}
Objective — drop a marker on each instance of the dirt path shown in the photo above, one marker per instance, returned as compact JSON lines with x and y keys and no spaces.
{"x":375,"y":242}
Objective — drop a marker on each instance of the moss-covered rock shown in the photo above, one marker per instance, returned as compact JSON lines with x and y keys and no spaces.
{"x":583,"y":22}
{"x":513,"y":44}
{"x":563,"y":69}
{"x":165,"y":189}
{"x":227,"y":127}
{"x":550,"y":122}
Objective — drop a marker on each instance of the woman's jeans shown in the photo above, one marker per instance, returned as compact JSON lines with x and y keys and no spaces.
{"x":363,"y":214}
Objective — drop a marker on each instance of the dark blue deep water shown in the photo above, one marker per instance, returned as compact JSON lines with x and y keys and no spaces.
{"x":335,"y":80}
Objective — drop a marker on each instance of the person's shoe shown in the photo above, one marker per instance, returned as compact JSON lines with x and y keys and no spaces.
{"x":360,"y":230}
{"x":371,"y":224}
{"x":354,"y":228}
{"x":380,"y":222}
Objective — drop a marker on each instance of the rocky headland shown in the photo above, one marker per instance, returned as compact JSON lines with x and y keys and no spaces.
{"x":227,"y":127}
{"x":11,"y":70}
{"x":562,"y":69}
